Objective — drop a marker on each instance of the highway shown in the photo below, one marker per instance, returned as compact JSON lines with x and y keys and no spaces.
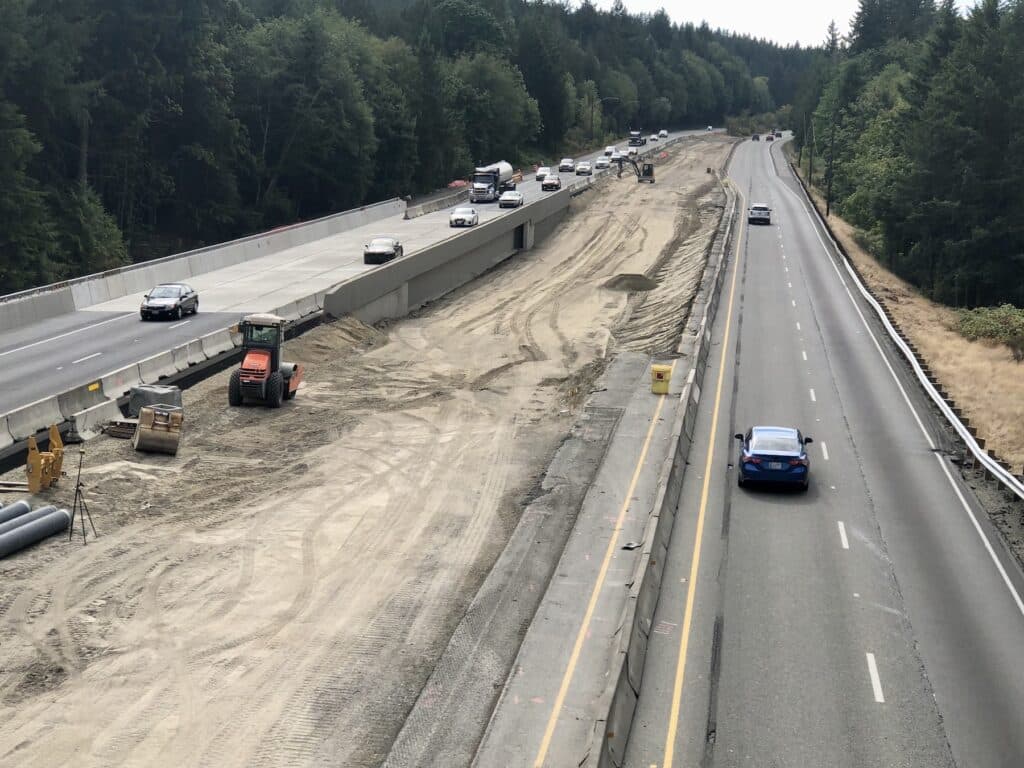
{"x":875,"y":620}
{"x":69,"y":350}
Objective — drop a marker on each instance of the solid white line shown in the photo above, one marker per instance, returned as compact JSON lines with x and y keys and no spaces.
{"x":813,"y":398}
{"x":87,"y":357}
{"x":804,"y":353}
{"x":178,"y":325}
{"x":63,"y":335}
{"x":876,"y":683}
{"x":842,"y":535}
{"x":906,"y":398}
{"x":824,"y":450}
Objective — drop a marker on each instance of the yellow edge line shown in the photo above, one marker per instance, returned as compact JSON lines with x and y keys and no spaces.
{"x":691,"y":590}
{"x":574,"y":658}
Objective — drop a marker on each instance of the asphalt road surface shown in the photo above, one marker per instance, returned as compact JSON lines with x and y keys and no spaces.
{"x":69,"y":350}
{"x":875,"y":620}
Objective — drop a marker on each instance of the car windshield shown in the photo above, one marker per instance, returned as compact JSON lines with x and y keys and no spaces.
{"x":510,"y":194}
{"x":774,"y":441}
{"x":759,"y":207}
{"x":383,"y":242}
{"x":165,"y":292}
{"x":464,"y":211}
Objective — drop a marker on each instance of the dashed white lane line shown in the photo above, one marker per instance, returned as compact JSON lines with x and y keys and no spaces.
{"x":814,"y":399}
{"x":87,"y":357}
{"x":790,"y":285}
{"x":798,"y":326}
{"x":64,"y":335}
{"x":876,"y":683}
{"x":794,"y":302}
{"x":824,"y":451}
{"x":842,"y":535}
{"x":178,"y":325}
{"x":804,"y":353}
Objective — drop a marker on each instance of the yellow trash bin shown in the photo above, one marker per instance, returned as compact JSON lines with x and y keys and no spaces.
{"x":660,"y":377}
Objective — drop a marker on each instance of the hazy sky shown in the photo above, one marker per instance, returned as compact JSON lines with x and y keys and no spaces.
{"x":784,"y":21}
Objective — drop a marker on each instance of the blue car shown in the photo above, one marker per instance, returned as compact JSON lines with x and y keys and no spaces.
{"x":774,"y":455}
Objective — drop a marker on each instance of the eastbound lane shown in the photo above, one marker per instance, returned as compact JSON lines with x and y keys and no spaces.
{"x":69,"y":350}
{"x":862,"y":623}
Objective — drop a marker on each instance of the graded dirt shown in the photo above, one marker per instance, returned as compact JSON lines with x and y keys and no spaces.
{"x":278,"y":592}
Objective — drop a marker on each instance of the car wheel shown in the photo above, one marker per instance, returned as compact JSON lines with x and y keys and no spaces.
{"x":805,"y":486}
{"x":177,"y":312}
{"x":195,"y":308}
{"x":739,"y":479}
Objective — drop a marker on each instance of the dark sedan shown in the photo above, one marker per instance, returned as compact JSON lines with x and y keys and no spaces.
{"x":773,"y":455}
{"x":382,"y":249}
{"x":169,"y":300}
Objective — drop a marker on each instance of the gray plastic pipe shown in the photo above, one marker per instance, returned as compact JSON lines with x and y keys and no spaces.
{"x":28,"y":517}
{"x":14,"y":510}
{"x":55,"y":521}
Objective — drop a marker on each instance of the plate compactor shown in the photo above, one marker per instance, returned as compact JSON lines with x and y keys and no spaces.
{"x":263,"y":377}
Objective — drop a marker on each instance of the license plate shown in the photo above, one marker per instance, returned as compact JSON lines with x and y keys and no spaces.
{"x":774,"y":465}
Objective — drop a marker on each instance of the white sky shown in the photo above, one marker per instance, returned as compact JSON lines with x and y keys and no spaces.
{"x":783,"y":21}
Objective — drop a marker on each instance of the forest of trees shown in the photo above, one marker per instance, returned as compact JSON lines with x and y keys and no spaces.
{"x":130,"y":129}
{"x":916,"y":127}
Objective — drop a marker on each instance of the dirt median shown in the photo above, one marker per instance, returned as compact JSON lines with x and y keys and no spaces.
{"x":278,"y":593}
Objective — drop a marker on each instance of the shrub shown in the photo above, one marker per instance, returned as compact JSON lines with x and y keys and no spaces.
{"x":1004,"y":324}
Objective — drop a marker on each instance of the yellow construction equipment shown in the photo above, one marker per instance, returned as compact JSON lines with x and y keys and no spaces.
{"x":44,"y":467}
{"x":159,"y":429}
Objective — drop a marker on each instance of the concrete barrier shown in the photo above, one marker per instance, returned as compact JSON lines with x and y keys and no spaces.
{"x":80,"y":398}
{"x":439,"y":204}
{"x":118,"y":383}
{"x":188,"y":355}
{"x":216,"y":343}
{"x":157,"y":367}
{"x":628,"y":668}
{"x":27,"y":307}
{"x":32,"y":418}
{"x":6,"y":441}
{"x":87,"y":423}
{"x":307,"y":306}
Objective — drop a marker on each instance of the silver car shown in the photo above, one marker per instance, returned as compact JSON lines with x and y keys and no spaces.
{"x":464,"y":217}
{"x":602,"y":162}
{"x":542,"y":173}
{"x":583,"y":169}
{"x":511,"y":199}
{"x":169,"y":300}
{"x":382,"y":249}
{"x":567,"y":164}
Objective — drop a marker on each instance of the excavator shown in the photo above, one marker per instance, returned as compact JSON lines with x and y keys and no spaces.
{"x":263,"y":376}
{"x":644,"y":172}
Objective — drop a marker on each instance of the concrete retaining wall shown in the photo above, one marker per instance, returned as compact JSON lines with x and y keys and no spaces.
{"x":628,"y":669}
{"x":27,"y":307}
{"x":400,"y":286}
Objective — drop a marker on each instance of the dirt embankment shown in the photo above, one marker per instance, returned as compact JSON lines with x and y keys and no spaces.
{"x":278,"y":592}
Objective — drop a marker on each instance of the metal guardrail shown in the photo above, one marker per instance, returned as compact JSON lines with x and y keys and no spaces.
{"x":981,"y":456}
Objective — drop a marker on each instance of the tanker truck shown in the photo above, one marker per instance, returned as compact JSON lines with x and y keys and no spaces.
{"x":491,"y":180}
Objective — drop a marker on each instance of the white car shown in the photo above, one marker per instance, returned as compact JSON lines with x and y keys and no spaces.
{"x":759,"y":213}
{"x":583,"y":168}
{"x":633,"y":151}
{"x":616,"y":156}
{"x":608,"y":151}
{"x":602,"y":162}
{"x":709,"y":129}
{"x":543,"y":172}
{"x":567,"y":164}
{"x":663,"y":133}
{"x":654,"y":137}
{"x":464,"y":217}
{"x":511,"y":199}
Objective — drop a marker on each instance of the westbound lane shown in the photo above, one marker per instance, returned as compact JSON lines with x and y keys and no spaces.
{"x":69,"y":350}
{"x":824,"y":625}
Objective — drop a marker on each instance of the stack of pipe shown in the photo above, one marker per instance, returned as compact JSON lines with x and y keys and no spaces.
{"x":21,"y":526}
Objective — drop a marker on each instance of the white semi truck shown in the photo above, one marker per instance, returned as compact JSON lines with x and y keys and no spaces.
{"x":491,"y":180}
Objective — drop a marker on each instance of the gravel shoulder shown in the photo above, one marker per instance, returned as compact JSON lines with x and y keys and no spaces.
{"x":279,"y":592}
